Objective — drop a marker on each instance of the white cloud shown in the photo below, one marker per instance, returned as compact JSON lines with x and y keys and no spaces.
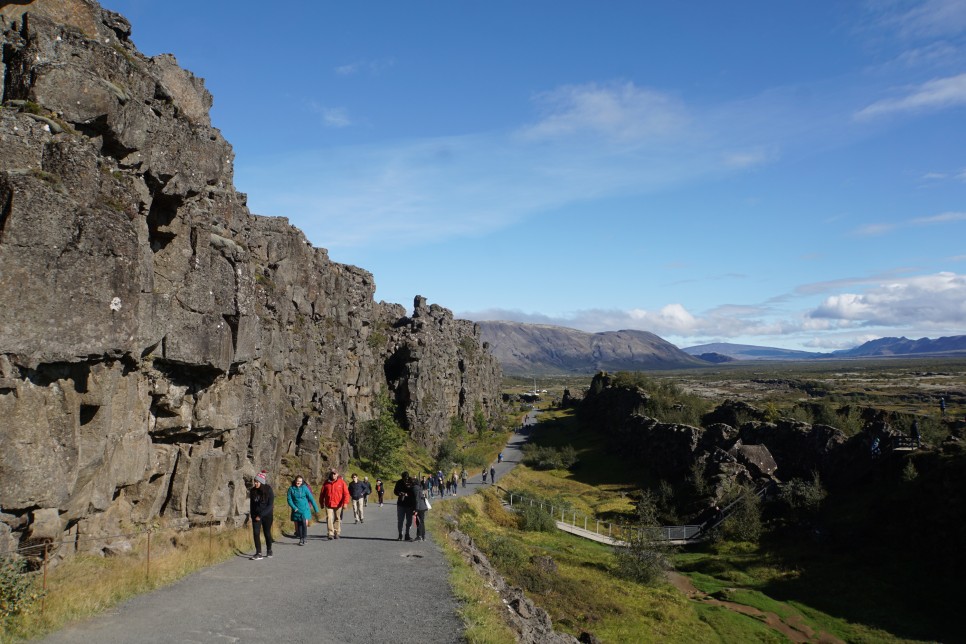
{"x":621,"y":112}
{"x":935,"y":94}
{"x":937,"y":300}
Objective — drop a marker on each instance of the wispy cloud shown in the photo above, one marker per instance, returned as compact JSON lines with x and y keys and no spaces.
{"x":373,"y":67}
{"x":936,"y":94}
{"x":931,"y":18}
{"x":590,"y":141}
{"x":336,"y":117}
{"x":620,"y":112}
{"x":870,"y":230}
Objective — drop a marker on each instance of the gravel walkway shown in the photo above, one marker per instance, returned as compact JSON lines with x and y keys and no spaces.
{"x":366,"y":587}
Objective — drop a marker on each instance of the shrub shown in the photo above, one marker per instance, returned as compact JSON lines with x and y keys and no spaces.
{"x":803,"y":498}
{"x":644,"y":559}
{"x":549,"y":458}
{"x":744,"y":522}
{"x":506,"y":553}
{"x":16,"y":588}
{"x":534,"y":518}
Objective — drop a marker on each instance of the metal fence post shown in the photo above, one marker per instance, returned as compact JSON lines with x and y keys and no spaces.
{"x":43,"y":598}
{"x":148,"y":571}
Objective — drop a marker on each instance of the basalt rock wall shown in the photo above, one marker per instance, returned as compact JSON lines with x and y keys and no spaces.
{"x":158,"y":342}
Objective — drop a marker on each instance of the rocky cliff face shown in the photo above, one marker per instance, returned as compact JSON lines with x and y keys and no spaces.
{"x":158,"y":342}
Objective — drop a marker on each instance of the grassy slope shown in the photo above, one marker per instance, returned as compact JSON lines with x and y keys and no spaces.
{"x":828,"y":590}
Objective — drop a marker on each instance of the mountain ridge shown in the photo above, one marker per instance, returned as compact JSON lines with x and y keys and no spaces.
{"x":544,"y":349}
{"x":526,"y":349}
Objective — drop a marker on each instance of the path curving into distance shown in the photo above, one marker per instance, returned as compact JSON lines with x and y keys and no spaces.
{"x":364,"y":588}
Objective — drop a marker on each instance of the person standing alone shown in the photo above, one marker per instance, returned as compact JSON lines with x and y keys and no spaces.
{"x":357,"y":492}
{"x":334,"y":497}
{"x":405,"y":503}
{"x":261,"y":507}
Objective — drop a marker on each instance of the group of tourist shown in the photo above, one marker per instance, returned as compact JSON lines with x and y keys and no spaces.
{"x":334,"y":497}
{"x":412,"y":503}
{"x":440,"y":485}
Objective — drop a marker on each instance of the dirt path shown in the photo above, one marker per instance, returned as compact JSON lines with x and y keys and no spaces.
{"x":794,"y":627}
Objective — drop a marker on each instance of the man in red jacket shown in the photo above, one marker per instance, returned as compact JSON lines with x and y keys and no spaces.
{"x":334,"y":497}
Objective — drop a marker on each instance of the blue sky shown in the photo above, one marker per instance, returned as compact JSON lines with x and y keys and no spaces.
{"x":774,"y":173}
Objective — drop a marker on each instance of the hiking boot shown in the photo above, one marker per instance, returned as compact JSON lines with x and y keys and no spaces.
{"x":257,"y":556}
{"x":408,"y":538}
{"x":269,"y":554}
{"x":399,"y":538}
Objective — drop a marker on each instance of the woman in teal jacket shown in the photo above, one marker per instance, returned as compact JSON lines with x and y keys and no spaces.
{"x":299,"y":498}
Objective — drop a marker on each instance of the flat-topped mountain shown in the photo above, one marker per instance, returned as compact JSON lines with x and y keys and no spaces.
{"x":530,"y":349}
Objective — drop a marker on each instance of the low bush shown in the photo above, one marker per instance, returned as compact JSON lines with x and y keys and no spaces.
{"x":534,"y":518}
{"x":549,"y":458}
{"x":17,"y":593}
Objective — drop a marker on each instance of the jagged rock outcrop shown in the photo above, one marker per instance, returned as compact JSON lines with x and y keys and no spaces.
{"x":158,"y":342}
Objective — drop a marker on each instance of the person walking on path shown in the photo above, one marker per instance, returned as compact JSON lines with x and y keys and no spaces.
{"x":916,"y":434}
{"x":365,"y":497}
{"x":492,"y":475}
{"x":484,"y":476}
{"x":405,"y":491}
{"x":380,"y":491}
{"x":942,"y":407}
{"x":357,"y":492}
{"x":299,"y":498}
{"x":463,"y":477}
{"x":422,"y":505}
{"x":261,"y":507}
{"x":334,"y":498}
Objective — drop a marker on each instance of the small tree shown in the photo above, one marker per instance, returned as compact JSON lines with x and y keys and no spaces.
{"x":744,"y":522}
{"x":644,"y":559}
{"x":803,"y":498}
{"x":479,"y":419}
{"x":380,"y":440}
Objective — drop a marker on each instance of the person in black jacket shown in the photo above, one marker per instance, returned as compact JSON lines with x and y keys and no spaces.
{"x":262,"y":507}
{"x":357,"y":492}
{"x":365,"y":497}
{"x":405,"y":504}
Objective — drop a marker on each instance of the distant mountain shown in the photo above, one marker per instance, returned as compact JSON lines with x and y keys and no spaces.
{"x":751,"y":352}
{"x":533,"y":349}
{"x":883,"y":347}
{"x":955,"y":344}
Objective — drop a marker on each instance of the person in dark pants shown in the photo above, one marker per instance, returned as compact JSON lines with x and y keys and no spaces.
{"x":916,"y":434}
{"x":422,"y":504}
{"x":492,"y":475}
{"x":365,"y":498}
{"x":405,"y":504}
{"x":262,"y":505}
{"x":380,"y":491}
